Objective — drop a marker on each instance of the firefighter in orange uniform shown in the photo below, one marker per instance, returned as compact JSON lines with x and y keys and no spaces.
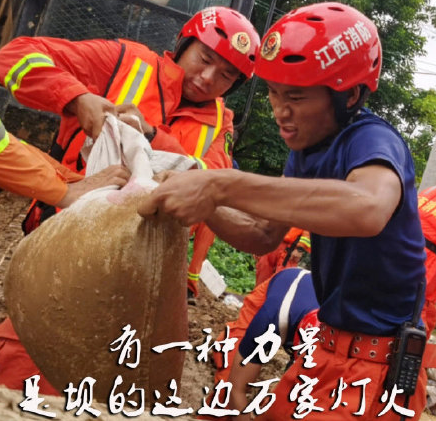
{"x":203,"y":240}
{"x":288,"y":254}
{"x":177,"y":97}
{"x":427,"y":213}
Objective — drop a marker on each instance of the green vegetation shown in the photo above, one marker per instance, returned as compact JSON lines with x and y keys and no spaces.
{"x":238,"y":268}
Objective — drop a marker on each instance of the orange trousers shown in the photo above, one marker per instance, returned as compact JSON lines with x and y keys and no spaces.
{"x":16,"y":364}
{"x":237,"y":328}
{"x":428,"y":316}
{"x":330,"y":368}
{"x":203,"y":240}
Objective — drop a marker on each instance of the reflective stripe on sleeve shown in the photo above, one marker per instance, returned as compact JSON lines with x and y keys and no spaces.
{"x":305,"y":241}
{"x":135,"y":84}
{"x":14,"y":77}
{"x":4,"y":138}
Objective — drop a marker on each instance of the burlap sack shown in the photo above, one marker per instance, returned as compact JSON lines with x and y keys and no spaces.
{"x":87,"y":272}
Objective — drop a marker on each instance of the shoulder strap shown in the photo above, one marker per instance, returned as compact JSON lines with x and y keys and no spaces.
{"x":285,"y":308}
{"x":430,"y":245}
{"x":289,"y":250}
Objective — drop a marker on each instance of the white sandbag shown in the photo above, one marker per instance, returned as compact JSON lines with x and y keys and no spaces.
{"x":97,"y":266}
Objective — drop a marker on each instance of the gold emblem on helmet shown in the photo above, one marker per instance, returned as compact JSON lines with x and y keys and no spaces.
{"x":241,"y":42}
{"x":271,"y":46}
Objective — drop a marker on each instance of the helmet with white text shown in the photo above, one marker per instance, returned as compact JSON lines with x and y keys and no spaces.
{"x":324,"y":44}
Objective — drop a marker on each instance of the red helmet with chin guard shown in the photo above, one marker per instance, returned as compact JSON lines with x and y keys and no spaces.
{"x":329,"y":44}
{"x":228,"y":33}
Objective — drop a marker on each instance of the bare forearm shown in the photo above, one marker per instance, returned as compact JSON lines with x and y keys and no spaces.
{"x":245,"y":232}
{"x":359,"y":206}
{"x":240,"y":377}
{"x":327,"y":207}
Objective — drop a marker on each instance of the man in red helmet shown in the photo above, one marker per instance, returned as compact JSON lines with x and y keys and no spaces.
{"x":349,"y":181}
{"x":177,"y":99}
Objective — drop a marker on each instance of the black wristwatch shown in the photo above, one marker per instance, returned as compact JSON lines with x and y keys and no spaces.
{"x":151,"y":136}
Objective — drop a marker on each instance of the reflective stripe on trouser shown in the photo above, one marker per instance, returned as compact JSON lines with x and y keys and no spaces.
{"x":203,"y":239}
{"x":193,"y":282}
{"x":31,"y":61}
{"x":4,"y":138}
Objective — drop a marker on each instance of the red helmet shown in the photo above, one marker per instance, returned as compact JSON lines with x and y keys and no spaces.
{"x":328,"y":44}
{"x":228,"y":33}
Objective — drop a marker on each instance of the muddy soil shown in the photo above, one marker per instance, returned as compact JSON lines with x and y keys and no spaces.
{"x":209,"y":312}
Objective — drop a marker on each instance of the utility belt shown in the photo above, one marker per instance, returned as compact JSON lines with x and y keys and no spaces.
{"x":366,"y":347}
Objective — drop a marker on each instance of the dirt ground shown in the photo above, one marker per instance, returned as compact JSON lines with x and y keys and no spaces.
{"x":209,"y":312}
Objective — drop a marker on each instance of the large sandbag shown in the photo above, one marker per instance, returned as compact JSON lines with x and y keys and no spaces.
{"x":86,"y":273}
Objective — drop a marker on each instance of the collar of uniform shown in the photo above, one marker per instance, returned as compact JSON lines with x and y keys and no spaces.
{"x":171,"y":69}
{"x":205,"y":112}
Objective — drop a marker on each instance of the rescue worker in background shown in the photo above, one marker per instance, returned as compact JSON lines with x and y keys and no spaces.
{"x":349,"y":181}
{"x":427,"y":207}
{"x":27,"y":171}
{"x":262,"y":307}
{"x":203,"y":240}
{"x":288,"y":254}
{"x":289,"y":305}
{"x":177,"y":97}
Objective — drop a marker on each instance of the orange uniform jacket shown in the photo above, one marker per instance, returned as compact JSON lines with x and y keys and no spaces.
{"x":48,"y":73}
{"x":427,"y":213}
{"x":27,"y":171}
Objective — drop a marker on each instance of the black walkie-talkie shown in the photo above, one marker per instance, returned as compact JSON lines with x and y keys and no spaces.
{"x":407,"y":352}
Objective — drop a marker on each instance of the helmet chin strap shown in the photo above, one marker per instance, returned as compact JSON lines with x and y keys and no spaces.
{"x":344,"y":114}
{"x":181,"y":45}
{"x":236,"y":84}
